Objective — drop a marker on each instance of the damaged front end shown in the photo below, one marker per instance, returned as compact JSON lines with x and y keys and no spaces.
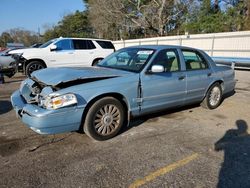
{"x":45,"y":96}
{"x":42,"y":105}
{"x":45,"y":111}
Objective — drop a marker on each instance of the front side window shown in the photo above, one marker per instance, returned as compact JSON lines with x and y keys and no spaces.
{"x":194,"y":61}
{"x":130,"y":59}
{"x":168,"y":59}
{"x":64,"y":44}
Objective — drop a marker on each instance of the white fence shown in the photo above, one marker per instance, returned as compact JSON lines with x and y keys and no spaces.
{"x":232,"y":44}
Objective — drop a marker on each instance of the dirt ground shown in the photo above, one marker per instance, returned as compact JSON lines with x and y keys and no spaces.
{"x":186,"y":147}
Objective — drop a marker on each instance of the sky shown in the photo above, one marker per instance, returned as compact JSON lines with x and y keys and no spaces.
{"x":34,"y":14}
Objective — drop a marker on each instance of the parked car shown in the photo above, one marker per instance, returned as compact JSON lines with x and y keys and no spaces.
{"x":131,"y":82}
{"x":70,"y":52}
{"x":8,"y":64}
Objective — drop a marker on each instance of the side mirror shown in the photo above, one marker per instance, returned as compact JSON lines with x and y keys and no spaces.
{"x":53,"y":47}
{"x":157,"y":69}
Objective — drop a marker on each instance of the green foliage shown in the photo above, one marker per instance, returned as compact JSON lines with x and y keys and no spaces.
{"x":72,"y":25}
{"x":211,"y":20}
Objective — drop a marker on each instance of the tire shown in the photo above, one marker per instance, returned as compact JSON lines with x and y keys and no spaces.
{"x":104,"y":119}
{"x":96,"y":61}
{"x":33,"y":66}
{"x":10,"y":74}
{"x":213,"y":97}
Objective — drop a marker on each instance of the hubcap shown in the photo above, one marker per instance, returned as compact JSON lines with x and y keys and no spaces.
{"x":107,"y":120}
{"x":215,"y":95}
{"x":35,"y":67}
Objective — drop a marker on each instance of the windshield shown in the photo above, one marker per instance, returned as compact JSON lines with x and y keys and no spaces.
{"x":47,"y":43}
{"x":129,"y":59}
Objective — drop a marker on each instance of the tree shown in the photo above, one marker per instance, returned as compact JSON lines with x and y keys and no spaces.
{"x":72,"y":25}
{"x":246,"y":13}
{"x":126,"y":17}
{"x":211,"y":18}
{"x":24,"y":36}
{"x":5,"y":38}
{"x":18,"y":35}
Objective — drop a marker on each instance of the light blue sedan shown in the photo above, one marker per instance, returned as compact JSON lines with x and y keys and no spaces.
{"x":130,"y":82}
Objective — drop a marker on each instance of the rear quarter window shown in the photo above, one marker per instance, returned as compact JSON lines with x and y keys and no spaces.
{"x":105,"y":44}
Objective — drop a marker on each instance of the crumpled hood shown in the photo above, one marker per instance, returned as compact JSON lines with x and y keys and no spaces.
{"x":62,"y":75}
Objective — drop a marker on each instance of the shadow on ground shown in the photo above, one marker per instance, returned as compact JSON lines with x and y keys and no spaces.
{"x":169,"y":113}
{"x":5,"y":106}
{"x":235,"y":169}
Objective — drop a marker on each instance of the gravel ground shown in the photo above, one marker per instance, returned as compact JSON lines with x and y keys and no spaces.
{"x":153,"y":147}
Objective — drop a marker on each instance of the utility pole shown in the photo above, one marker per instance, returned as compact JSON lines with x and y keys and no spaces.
{"x":38,"y":32}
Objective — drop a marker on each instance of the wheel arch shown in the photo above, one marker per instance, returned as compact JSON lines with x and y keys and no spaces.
{"x":122,"y":99}
{"x":96,"y":59}
{"x":33,"y":59}
{"x":221,"y":82}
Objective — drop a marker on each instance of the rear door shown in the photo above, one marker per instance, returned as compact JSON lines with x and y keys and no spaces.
{"x":199,"y":75}
{"x":84,"y":52}
{"x":165,"y":89}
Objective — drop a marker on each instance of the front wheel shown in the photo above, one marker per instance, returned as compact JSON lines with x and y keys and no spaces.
{"x":10,"y":74}
{"x":104,"y":119}
{"x":95,"y":62}
{"x":33,"y":66}
{"x":213,"y":97}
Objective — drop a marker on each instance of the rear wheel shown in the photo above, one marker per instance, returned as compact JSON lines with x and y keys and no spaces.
{"x":104,"y":119}
{"x":213,"y":97}
{"x":33,"y":66}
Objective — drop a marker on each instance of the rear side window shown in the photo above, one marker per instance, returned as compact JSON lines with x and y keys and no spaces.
{"x":105,"y":44}
{"x":83,"y":44}
{"x":194,"y":60}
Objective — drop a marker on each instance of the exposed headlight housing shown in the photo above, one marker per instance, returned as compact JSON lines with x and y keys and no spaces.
{"x":56,"y":102}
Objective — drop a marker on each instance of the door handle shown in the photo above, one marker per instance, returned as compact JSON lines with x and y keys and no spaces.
{"x":71,"y":53}
{"x":209,"y":74}
{"x":181,"y":78}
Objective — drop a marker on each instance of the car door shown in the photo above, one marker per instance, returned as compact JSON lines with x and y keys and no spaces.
{"x":199,"y":75}
{"x":63,"y":55}
{"x":84,"y":52}
{"x":165,"y":89}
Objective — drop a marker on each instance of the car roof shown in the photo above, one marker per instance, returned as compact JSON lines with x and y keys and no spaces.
{"x":83,"y":39}
{"x":160,"y":47}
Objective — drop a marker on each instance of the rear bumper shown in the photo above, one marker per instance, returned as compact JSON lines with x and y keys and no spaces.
{"x":45,"y":121}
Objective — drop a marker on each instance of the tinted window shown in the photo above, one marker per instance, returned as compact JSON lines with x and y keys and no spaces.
{"x":168,"y":59}
{"x":83,"y":44}
{"x":194,"y":60}
{"x":105,"y":44}
{"x":64,"y":44}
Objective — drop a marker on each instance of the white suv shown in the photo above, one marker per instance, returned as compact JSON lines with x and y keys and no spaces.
{"x":70,"y":52}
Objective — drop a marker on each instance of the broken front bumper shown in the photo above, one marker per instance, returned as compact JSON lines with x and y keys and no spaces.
{"x":45,"y":121}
